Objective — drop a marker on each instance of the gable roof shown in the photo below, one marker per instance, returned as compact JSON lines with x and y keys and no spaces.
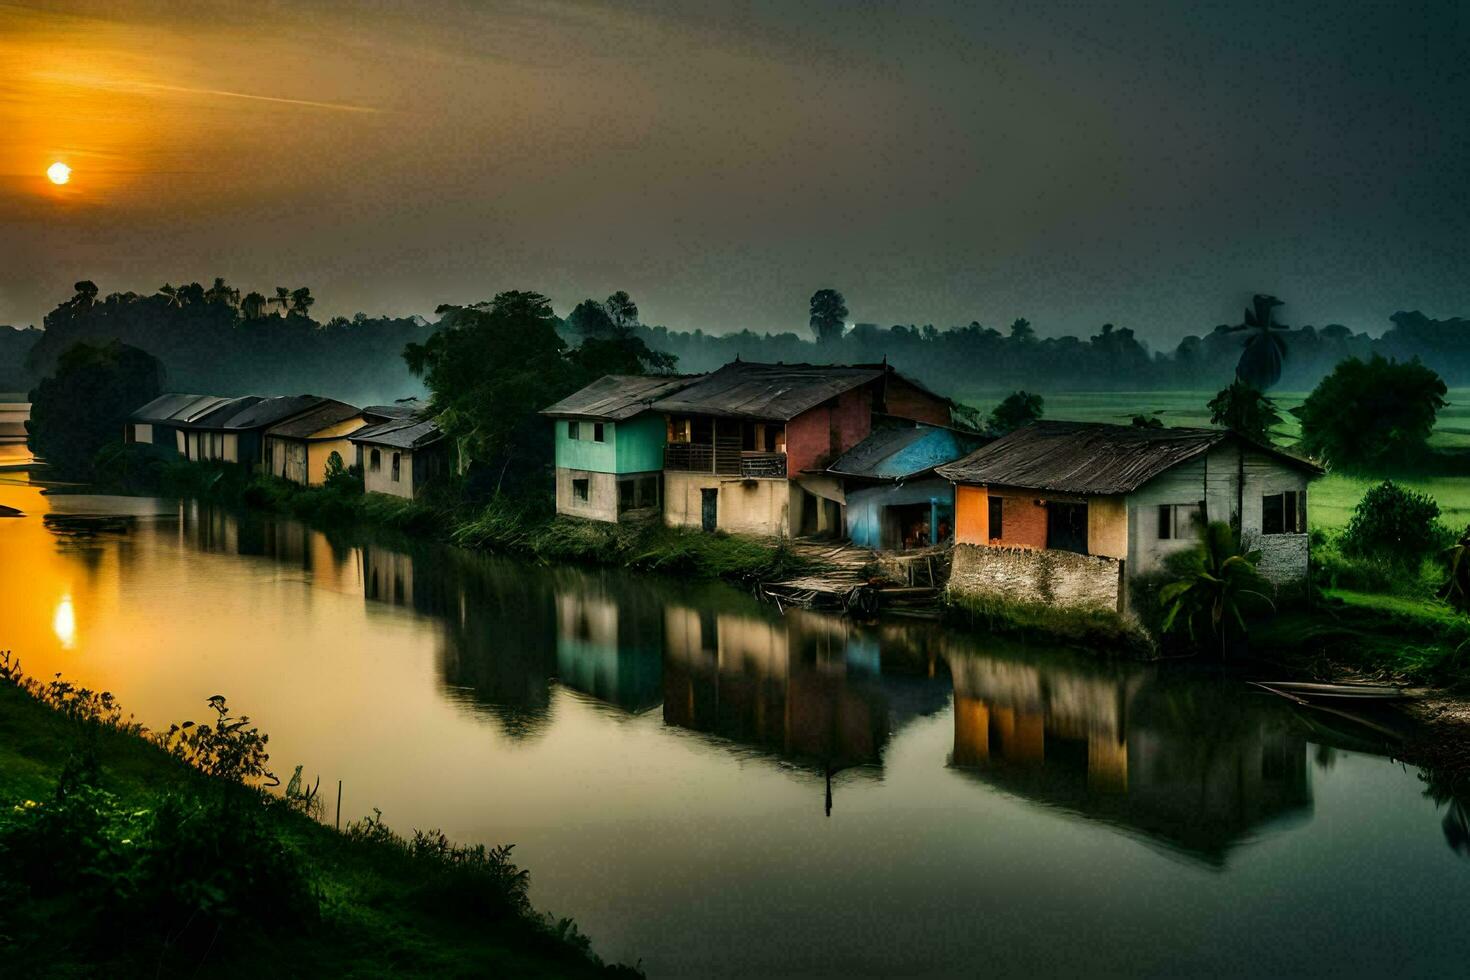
{"x":897,"y":452}
{"x":397,"y":410}
{"x":616,"y":397}
{"x":308,"y":424}
{"x":404,"y":433}
{"x":178,"y":408}
{"x":1092,"y":458}
{"x":268,"y":412}
{"x":745,"y":389}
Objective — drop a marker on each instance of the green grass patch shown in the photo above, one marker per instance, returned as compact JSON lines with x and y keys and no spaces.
{"x":1391,"y":637}
{"x":1095,"y":630}
{"x":117,"y":858}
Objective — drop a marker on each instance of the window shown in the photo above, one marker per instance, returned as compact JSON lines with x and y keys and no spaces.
{"x":375,"y":461}
{"x":1284,"y":513}
{"x":396,"y":465}
{"x":1178,"y":521}
{"x":678,"y":430}
{"x":597,"y":434}
{"x":574,"y":430}
{"x":997,"y":517}
{"x":580,"y":489}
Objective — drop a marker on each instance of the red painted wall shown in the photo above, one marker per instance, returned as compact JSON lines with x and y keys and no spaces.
{"x":819,"y":435}
{"x":909,"y":402}
{"x":1023,"y":523}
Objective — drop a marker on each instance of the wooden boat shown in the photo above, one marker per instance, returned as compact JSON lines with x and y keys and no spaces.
{"x":1304,"y":692}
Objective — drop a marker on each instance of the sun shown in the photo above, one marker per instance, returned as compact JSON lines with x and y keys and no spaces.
{"x":58,"y":173}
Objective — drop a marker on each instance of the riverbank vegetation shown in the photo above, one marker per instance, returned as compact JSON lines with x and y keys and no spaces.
{"x":125,"y":852}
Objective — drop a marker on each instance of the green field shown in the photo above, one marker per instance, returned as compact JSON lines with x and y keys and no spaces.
{"x":1333,"y":497}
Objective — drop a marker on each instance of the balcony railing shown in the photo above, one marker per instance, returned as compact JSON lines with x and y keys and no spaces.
{"x":762,"y":464}
{"x":692,"y":457}
{"x":689,"y":457}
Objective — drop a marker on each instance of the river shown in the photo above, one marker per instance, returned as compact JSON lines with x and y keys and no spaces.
{"x":717,"y":789}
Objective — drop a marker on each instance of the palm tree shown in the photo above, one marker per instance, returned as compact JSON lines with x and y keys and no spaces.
{"x":253,"y":305}
{"x":301,"y":300}
{"x":1219,"y":581}
{"x":281,"y":299}
{"x":221,"y":292}
{"x":1245,"y":409}
{"x":1260,"y":361}
{"x":170,"y":294}
{"x":1456,"y":589}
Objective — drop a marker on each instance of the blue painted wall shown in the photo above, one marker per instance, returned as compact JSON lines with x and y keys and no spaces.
{"x":865,"y":507}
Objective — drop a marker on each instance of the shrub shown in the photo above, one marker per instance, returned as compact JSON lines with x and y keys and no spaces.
{"x":1394,"y":525}
{"x":1456,"y":588}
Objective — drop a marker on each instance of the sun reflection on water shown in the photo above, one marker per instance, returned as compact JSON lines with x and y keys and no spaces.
{"x":64,"y":623}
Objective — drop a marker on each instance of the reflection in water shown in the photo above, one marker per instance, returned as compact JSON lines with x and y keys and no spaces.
{"x":64,"y":623}
{"x":1195,"y":767}
{"x":658,"y":748}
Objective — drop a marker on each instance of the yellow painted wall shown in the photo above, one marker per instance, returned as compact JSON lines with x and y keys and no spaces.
{"x":745,"y":506}
{"x":1107,"y":526}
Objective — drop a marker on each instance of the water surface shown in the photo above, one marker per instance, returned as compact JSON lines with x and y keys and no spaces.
{"x":716,"y":789}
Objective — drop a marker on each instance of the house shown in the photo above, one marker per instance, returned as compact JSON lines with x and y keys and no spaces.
{"x":610,"y":446}
{"x":163,"y":421}
{"x":401,"y":455}
{"x":235,"y":433}
{"x":299,"y":448}
{"x":749,"y":445}
{"x":1069,"y":512}
{"x":895,"y":500}
{"x":202,"y":438}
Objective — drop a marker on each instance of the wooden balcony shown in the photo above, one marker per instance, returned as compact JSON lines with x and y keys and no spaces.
{"x":724,"y":458}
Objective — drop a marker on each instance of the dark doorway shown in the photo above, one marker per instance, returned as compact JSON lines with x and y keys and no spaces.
{"x":1066,"y":527}
{"x":709,"y":508}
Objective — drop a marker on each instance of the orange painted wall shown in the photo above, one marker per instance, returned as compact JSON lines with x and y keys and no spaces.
{"x":1022,"y":522}
{"x":970,"y":515}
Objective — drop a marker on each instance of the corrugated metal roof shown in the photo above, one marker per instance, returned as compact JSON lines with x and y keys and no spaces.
{"x":268,"y":412}
{"x":397,"y":410}
{"x":1089,"y":457}
{"x":177,"y":407}
{"x":312,"y":422}
{"x":410,"y":433}
{"x":897,"y":452}
{"x":224,"y":410}
{"x":619,"y":396}
{"x":746,"y":389}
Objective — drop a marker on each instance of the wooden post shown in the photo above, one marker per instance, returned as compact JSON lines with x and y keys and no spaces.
{"x":339,"y":804}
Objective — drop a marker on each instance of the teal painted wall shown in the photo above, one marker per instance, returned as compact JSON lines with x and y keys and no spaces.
{"x":634,"y":446}
{"x":640,"y":446}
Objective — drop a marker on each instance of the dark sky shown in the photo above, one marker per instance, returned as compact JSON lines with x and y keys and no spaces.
{"x":1148,"y":164}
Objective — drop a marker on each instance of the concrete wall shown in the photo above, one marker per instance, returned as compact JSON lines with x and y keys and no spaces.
{"x":602,"y":494}
{"x":381,"y":480}
{"x":142,"y":432}
{"x":744,"y":506}
{"x":1030,"y":575}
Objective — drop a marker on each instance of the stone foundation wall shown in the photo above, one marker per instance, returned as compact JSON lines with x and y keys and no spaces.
{"x":1035,"y":575}
{"x":1283,"y":556}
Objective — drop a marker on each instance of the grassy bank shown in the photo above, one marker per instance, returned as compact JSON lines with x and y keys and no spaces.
{"x":502,"y":526}
{"x":1398,"y":638}
{"x":118,"y":857}
{"x":1093,"y":630}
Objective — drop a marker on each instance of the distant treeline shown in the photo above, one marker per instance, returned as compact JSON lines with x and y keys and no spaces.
{"x":213,"y":340}
{"x":961,"y":360}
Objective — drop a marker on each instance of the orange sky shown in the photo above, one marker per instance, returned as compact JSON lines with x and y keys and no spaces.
{"x":936,"y":161}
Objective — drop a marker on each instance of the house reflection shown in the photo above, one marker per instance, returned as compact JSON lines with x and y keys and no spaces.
{"x":495,"y":656}
{"x":609,"y":646}
{"x":1195,"y":768}
{"x":809,"y":688}
{"x":219,"y":530}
